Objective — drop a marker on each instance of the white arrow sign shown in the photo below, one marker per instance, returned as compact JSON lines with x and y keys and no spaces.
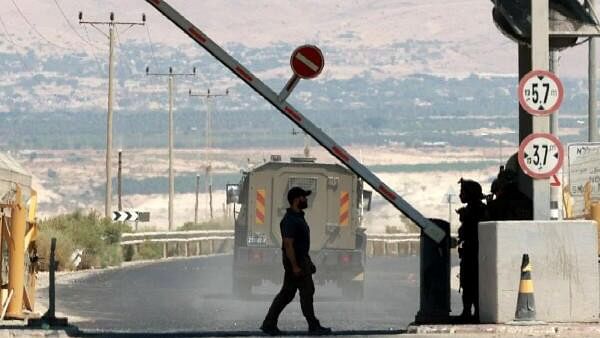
{"x":122,"y":216}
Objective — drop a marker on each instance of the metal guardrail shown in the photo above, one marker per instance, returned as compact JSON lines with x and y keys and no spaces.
{"x":187,"y":243}
{"x":393,"y":237}
{"x":173,"y":236}
{"x":195,"y":235}
{"x":221,"y":241}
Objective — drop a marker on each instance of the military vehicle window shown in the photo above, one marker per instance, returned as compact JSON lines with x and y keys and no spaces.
{"x":233,"y":193}
{"x":306,"y":183}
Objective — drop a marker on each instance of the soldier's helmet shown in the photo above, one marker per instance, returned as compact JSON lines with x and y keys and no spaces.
{"x":506,"y":179}
{"x":470,"y":190}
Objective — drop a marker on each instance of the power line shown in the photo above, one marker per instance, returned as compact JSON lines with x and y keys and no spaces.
{"x":153,"y":55}
{"x":121,"y":62}
{"x":9,"y":39}
{"x":151,"y":47}
{"x":93,"y":53}
{"x":8,"y":34}
{"x":71,"y":25}
{"x":88,"y":41}
{"x":33,"y":27}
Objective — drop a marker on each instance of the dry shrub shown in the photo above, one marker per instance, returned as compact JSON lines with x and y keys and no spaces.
{"x":98,"y":237}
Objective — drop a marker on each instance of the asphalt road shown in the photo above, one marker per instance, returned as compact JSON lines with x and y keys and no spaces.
{"x":194,"y":295}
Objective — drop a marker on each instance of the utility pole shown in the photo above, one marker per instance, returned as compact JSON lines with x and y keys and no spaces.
{"x":208,"y":181}
{"x":171,"y":77}
{"x":592,"y":87}
{"x":120,"y":181}
{"x":306,"y":142}
{"x":112,"y":24}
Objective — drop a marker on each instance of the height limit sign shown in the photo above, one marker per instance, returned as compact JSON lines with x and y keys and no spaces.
{"x":541,"y":155}
{"x":540,"y":93}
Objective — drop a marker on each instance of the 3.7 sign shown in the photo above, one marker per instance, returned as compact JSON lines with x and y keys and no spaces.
{"x":541,"y":155}
{"x":540,"y":92}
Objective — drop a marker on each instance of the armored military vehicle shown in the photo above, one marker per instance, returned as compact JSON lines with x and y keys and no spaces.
{"x":334,"y":214}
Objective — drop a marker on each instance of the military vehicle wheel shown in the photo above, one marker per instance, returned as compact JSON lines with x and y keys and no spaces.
{"x":242,"y":288}
{"x":353,"y":290}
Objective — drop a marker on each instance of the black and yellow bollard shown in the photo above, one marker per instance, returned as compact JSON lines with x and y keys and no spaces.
{"x":525,"y":301}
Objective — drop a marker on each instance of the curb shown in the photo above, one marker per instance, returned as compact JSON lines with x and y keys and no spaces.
{"x":550,"y":329}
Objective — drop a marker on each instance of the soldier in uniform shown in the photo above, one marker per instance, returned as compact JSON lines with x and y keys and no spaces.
{"x":508,"y":202}
{"x":470,"y":216}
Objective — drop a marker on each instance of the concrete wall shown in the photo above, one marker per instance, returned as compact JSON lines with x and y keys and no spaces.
{"x":564,"y":262}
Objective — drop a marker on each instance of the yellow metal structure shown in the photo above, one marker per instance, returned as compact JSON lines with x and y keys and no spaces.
{"x":567,"y":202}
{"x":587,"y":198}
{"x":16,"y":257}
{"x":20,"y":240}
{"x":596,"y":217}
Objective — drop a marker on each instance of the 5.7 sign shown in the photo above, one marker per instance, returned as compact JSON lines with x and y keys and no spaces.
{"x":540,"y":92}
{"x":541,"y":155}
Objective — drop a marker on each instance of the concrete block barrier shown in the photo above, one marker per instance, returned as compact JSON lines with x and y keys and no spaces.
{"x":564,"y":269}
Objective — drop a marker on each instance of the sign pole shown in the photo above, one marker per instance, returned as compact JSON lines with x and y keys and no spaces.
{"x":537,"y":189}
{"x":556,"y":189}
{"x":592,"y":88}
{"x":119,"y":180}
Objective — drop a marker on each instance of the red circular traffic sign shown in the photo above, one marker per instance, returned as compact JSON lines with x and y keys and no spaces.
{"x":307,"y":61}
{"x":541,"y":155}
{"x":540,"y":92}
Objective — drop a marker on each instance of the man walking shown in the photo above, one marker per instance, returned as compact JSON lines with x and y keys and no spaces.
{"x":298,"y":267}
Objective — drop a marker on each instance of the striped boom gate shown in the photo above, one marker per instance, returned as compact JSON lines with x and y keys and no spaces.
{"x":428,"y":227}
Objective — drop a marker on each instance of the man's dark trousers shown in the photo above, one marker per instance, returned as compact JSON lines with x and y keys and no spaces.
{"x":291,"y":283}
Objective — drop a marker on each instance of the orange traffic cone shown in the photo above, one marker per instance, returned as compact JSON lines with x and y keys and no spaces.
{"x":525,"y":302}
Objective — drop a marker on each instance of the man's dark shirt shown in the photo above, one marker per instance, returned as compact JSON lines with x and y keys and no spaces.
{"x":293,"y":225}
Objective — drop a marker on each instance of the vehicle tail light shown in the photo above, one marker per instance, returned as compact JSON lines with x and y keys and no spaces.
{"x":255,"y":256}
{"x":345,"y":259}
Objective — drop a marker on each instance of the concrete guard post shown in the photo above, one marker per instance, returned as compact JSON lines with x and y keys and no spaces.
{"x":564,"y":255}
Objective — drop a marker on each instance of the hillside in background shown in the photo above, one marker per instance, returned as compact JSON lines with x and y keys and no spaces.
{"x":397,"y":72}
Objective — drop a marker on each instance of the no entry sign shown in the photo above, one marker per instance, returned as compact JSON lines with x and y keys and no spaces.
{"x":541,"y":155}
{"x":540,"y":92}
{"x":307,"y":61}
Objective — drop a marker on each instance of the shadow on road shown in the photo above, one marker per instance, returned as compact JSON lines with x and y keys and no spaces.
{"x":127,"y":334}
{"x":269,"y":297}
{"x":74,"y":331}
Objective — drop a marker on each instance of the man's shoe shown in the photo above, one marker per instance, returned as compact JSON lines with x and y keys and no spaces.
{"x":319,"y":330}
{"x":271,"y":330}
